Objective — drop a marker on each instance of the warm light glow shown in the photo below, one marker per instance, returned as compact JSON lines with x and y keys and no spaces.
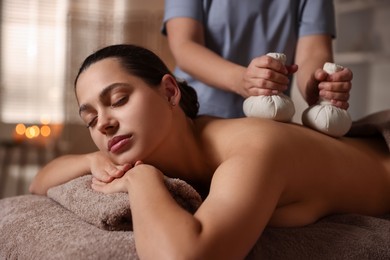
{"x":36,"y":130}
{"x":29,"y":133}
{"x":20,"y":129}
{"x":45,"y":131}
{"x":45,"y":120}
{"x":32,"y":132}
{"x":40,"y":132}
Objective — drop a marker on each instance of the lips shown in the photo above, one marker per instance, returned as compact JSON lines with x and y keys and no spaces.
{"x":116,"y":143}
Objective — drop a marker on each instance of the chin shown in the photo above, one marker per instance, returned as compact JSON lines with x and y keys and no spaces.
{"x":122,"y":159}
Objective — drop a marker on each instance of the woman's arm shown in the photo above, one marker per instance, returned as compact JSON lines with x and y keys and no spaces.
{"x":58,"y":171}
{"x":186,"y":41}
{"x":68,"y":167}
{"x":226,"y":226}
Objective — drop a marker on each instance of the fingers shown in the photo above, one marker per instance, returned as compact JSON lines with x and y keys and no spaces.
{"x":102,"y":175}
{"x":340,"y":104}
{"x":120,"y":184}
{"x":268,"y":62}
{"x":266,"y":76}
{"x":292,"y":69}
{"x":341,"y":76}
{"x":335,"y":90}
{"x":110,"y":180}
{"x":138,"y":163}
{"x":264,"y":87}
{"x":97,"y":182}
{"x":124,"y":168}
{"x":336,"y":87}
{"x":117,"y":185}
{"x":101,"y":186}
{"x":338,"y":99}
{"x":111,"y":172}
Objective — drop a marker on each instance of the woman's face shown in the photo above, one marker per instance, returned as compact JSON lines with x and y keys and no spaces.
{"x":127,"y":118}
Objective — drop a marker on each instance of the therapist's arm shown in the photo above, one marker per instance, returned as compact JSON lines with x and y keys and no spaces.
{"x":313,"y":82}
{"x":186,"y":40}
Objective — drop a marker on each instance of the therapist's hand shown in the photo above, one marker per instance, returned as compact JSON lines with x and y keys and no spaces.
{"x":265,"y":76}
{"x":335,"y":88}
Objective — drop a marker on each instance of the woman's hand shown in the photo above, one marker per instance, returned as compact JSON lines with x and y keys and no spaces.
{"x":103,"y":169}
{"x":140,"y":172}
{"x":335,"y":87}
{"x":266,"y":76}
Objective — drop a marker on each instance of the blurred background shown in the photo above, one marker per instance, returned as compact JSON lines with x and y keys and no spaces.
{"x":43,"y":42}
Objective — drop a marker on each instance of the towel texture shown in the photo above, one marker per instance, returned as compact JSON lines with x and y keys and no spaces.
{"x":36,"y":227}
{"x":337,"y":237}
{"x":112,"y":211}
{"x":377,"y":124}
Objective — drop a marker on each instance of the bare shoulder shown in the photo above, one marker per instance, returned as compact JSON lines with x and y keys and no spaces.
{"x":237,"y":124}
{"x":250,"y":132}
{"x":301,"y":147}
{"x":238,"y":135}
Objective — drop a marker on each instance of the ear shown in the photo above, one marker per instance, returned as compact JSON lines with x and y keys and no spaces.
{"x":170,"y":89}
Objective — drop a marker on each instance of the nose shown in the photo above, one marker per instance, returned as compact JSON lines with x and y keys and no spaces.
{"x":107,"y":124}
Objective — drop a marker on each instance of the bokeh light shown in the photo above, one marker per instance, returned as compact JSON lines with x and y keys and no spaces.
{"x":32,"y":132}
{"x":20,"y":129}
{"x":45,"y":120}
{"x":45,"y":130}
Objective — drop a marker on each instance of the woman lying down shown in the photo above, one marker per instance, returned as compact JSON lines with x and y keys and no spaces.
{"x":251,"y":172}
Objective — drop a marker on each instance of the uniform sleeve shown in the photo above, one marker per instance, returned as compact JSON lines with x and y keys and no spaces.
{"x":182,"y":8}
{"x":317,"y":17}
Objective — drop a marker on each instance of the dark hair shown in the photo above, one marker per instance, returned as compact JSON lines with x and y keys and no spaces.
{"x":146,"y":65}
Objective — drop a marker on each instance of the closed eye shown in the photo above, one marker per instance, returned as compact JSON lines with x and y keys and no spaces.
{"x":120,"y":101}
{"x":92,"y":122}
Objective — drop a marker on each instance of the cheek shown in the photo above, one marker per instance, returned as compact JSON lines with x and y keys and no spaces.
{"x":149,"y":112}
{"x":156,"y":118}
{"x":97,"y":141}
{"x":152,"y":122}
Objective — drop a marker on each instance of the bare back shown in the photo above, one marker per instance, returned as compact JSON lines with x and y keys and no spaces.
{"x":320,"y":174}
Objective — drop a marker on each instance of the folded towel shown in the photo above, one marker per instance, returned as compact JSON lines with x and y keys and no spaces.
{"x":376,"y":124}
{"x":112,"y":211}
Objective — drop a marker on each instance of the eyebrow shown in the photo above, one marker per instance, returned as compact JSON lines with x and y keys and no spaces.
{"x":104,"y":93}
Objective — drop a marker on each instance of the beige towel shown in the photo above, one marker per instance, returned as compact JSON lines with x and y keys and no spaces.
{"x":112,"y":211}
{"x":36,"y":227}
{"x":376,"y":124}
